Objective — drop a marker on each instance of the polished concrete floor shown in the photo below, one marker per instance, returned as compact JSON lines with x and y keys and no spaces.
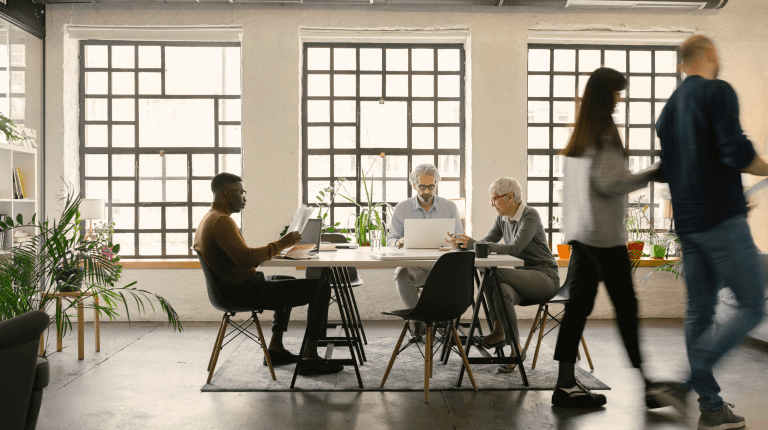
{"x":148,"y":377}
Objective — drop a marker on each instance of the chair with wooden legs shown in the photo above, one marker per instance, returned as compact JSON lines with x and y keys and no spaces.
{"x":544,"y":316}
{"x":230,"y":310}
{"x":445,"y":296}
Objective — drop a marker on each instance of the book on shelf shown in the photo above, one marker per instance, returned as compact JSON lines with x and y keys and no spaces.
{"x":18,"y":189}
{"x":21,"y":183}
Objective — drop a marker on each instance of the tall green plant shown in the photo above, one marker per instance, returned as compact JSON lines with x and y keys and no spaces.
{"x":324,"y":201}
{"x":369,"y":217}
{"x":8,"y":128}
{"x":33,"y":272}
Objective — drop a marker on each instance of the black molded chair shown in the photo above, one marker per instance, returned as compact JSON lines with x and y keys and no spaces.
{"x":353,"y":279}
{"x":446,"y":294}
{"x":544,"y":316}
{"x":23,"y":374}
{"x":230,"y":310}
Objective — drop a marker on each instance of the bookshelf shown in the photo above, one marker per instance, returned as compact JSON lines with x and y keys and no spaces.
{"x":25,"y":159}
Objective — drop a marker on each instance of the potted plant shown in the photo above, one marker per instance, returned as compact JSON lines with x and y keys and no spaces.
{"x":563,"y":249}
{"x":8,"y":128}
{"x":635,"y":232}
{"x":102,"y":233}
{"x":324,"y":201}
{"x":60,"y":256}
{"x":370,"y":217}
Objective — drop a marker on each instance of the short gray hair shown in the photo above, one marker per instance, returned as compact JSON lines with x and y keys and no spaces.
{"x":424,"y":169}
{"x":504,"y":186}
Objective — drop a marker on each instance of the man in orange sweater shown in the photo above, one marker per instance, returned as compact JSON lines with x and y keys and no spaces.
{"x":233,"y":265}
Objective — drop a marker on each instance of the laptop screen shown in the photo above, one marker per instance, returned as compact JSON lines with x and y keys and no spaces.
{"x":311,"y":233}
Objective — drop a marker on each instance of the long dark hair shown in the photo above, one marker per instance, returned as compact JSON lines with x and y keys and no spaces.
{"x":594,"y":117}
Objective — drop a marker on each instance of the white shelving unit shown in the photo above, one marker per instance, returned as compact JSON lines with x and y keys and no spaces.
{"x":26,"y":160}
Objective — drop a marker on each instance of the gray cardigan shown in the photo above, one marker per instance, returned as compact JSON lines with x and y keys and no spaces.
{"x":595,"y":195}
{"x":524,"y":239}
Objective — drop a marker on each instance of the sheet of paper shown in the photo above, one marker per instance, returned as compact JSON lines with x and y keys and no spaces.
{"x":300,"y":219}
{"x":755,"y":188}
{"x":300,"y":252}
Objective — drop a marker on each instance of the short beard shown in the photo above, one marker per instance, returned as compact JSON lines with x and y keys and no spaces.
{"x":421,"y":199}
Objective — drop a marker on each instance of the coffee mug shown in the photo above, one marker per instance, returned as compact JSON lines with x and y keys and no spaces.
{"x":482,"y":250}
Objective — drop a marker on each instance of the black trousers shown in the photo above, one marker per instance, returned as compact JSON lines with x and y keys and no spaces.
{"x":588,"y":266}
{"x":281,"y":293}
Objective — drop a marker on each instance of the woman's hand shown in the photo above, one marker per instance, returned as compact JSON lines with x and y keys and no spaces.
{"x":457,"y":240}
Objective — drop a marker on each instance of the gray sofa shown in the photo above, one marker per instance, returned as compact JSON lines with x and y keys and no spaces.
{"x":726,"y":307}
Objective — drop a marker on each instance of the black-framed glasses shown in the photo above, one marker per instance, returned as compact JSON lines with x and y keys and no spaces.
{"x":242,"y":192}
{"x":427,"y":187}
{"x":493,"y":199}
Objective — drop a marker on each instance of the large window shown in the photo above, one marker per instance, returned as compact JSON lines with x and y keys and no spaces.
{"x":381,"y":109}
{"x":157,"y":121}
{"x":557,"y":75}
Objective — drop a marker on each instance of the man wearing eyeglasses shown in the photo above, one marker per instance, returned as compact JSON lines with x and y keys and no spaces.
{"x":426,"y":204}
{"x":233,"y":265}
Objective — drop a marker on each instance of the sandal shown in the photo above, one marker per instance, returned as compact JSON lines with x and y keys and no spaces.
{"x":509,"y":368}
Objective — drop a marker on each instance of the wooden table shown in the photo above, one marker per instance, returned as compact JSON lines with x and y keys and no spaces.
{"x":334,"y":262}
{"x":79,"y":296}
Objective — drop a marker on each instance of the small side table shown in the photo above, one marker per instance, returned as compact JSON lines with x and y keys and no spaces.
{"x":79,"y":296}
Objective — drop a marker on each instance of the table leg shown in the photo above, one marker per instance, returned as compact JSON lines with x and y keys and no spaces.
{"x":475,"y":321}
{"x":80,"y":330}
{"x":42,"y":336}
{"x":59,"y":323}
{"x":96,"y":327}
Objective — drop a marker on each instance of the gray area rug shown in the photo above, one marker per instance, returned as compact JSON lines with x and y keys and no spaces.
{"x":244,"y":371}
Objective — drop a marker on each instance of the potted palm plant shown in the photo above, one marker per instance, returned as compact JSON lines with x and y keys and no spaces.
{"x":635,"y":232}
{"x":57,"y":256}
{"x":563,"y":249}
{"x":370,"y":217}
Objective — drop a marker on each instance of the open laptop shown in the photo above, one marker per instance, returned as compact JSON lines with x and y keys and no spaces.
{"x":311,"y":233}
{"x":427,"y":233}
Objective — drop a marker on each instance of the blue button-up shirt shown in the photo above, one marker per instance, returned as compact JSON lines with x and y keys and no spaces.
{"x":410,"y":208}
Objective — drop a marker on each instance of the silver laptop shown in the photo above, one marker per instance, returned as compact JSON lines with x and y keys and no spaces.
{"x":427,"y":233}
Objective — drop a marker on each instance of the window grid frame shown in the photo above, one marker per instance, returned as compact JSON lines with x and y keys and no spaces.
{"x":110,"y":150}
{"x":654,"y":153}
{"x":359,"y":152}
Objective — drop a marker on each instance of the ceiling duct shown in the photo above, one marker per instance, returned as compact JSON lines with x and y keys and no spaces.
{"x":556,"y":4}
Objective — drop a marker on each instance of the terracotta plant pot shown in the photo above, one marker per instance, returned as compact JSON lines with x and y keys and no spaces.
{"x":564,"y":251}
{"x":635,"y":250}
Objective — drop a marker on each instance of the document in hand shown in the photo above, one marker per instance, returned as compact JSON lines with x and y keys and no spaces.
{"x":300,"y":252}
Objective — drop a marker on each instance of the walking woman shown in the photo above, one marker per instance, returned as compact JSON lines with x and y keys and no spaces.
{"x":597,"y":182}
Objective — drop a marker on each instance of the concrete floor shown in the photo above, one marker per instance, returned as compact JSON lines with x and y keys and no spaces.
{"x":148,"y":377}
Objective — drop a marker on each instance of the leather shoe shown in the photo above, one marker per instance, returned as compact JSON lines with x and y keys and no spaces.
{"x":279,"y":358}
{"x":319,"y":368}
{"x":481,"y":341}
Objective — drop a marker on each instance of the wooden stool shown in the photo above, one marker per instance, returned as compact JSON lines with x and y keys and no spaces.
{"x":80,"y":324}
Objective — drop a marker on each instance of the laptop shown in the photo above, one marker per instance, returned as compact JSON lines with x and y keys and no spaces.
{"x":311,"y":233}
{"x":427,"y":233}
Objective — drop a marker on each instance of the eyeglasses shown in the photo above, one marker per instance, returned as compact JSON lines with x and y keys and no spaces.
{"x":242,"y":192}
{"x":425,"y":187}
{"x":493,"y":199}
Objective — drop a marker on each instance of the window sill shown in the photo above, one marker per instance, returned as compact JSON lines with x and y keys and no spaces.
{"x":644,"y":262}
{"x":161,"y":263}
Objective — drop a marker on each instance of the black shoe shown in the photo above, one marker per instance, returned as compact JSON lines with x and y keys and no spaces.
{"x":319,"y":368}
{"x":481,"y":341}
{"x":577,"y":396}
{"x":279,"y":358}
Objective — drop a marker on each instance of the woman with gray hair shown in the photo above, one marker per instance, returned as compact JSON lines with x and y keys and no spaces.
{"x":523,"y":233}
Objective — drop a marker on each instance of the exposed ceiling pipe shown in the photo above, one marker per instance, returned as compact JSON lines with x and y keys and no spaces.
{"x":557,"y":4}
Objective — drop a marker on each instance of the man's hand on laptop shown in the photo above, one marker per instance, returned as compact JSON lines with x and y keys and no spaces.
{"x":400,"y":242}
{"x":457,"y":240}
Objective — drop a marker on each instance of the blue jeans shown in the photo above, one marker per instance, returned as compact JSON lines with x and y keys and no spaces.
{"x":724,"y":255}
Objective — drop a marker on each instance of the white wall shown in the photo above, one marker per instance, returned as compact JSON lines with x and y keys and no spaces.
{"x":497,"y":59}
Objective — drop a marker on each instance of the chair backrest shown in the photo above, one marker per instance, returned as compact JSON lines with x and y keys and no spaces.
{"x":333,"y":238}
{"x":214,"y":294}
{"x":449,"y":288}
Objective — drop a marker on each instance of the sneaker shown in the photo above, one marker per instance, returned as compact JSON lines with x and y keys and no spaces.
{"x":661,"y":394}
{"x":418,"y":331}
{"x":577,"y":396}
{"x":721,"y":420}
{"x":278,"y":358}
{"x":319,"y":368}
